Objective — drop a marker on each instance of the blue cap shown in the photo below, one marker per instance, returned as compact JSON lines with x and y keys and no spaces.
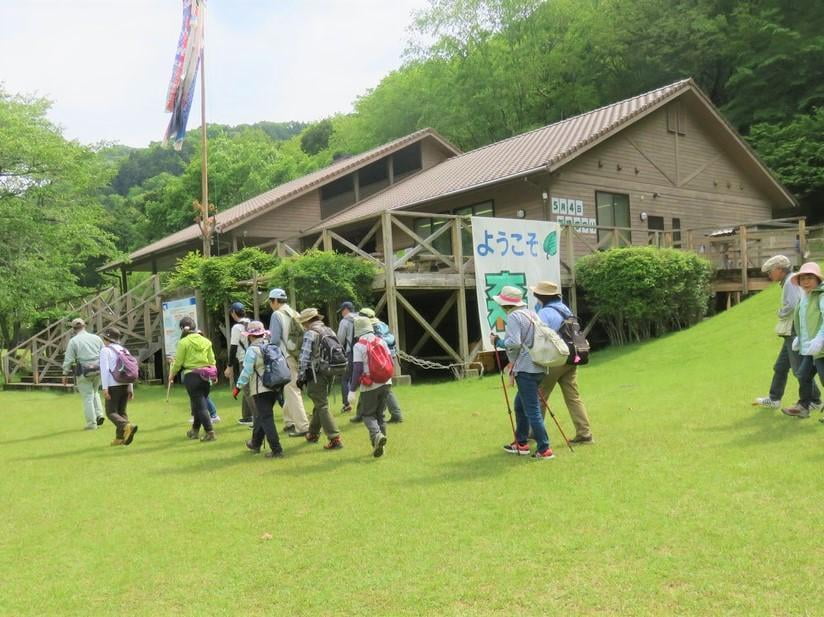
{"x":346,"y":305}
{"x":238,"y":308}
{"x":277,"y":294}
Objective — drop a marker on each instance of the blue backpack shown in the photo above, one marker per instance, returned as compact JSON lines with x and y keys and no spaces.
{"x":381,"y":330}
{"x":276,"y":373}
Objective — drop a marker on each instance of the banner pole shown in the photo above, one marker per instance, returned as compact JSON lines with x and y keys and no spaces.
{"x":204,"y":169}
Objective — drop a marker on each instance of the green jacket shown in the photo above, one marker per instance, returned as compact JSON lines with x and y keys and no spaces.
{"x":812,"y":318}
{"x":193,"y":351}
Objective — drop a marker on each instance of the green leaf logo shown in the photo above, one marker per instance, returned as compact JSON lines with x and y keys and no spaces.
{"x":551,"y":244}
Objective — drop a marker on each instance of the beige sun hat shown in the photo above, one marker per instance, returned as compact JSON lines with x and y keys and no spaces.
{"x":776,"y":261}
{"x":308,"y":314}
{"x":363,"y":325}
{"x":78,"y":323}
{"x":546,"y":288}
{"x":370,"y":313}
{"x":255,"y":328}
{"x":510,"y":296}
{"x":808,"y":268}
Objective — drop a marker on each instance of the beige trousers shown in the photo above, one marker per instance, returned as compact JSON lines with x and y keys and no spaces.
{"x":294,"y":413}
{"x":567,"y":376}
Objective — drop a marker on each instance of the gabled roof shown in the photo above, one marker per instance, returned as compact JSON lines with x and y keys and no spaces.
{"x":242,"y":212}
{"x":541,"y":150}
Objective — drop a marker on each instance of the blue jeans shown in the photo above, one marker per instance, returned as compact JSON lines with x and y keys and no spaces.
{"x":211,"y":407}
{"x":528,"y":410}
{"x":787,"y":360}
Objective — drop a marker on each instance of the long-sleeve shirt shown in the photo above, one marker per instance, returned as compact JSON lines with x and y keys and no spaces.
{"x":346,"y":334}
{"x":252,"y":369}
{"x":805,"y":337}
{"x":193,"y":351}
{"x":518,"y":338}
{"x":84,"y":347}
{"x":551,"y":317}
{"x":306,"y":360}
{"x":790,"y":297}
{"x":279,"y":324}
{"x":108,"y":360}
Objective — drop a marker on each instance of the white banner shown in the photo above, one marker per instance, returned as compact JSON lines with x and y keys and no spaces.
{"x":173,"y":312}
{"x":516,"y":252}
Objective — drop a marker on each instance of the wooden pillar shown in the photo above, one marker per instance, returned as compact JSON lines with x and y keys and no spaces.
{"x":154,"y":266}
{"x":690,"y":245}
{"x":742,"y":239}
{"x":356,"y":185}
{"x":390,"y":163}
{"x":35,"y":362}
{"x":124,"y":280}
{"x":457,"y":255}
{"x":255,"y":297}
{"x":234,"y":243}
{"x":802,"y":238}
{"x":573,"y":292}
{"x":327,"y":240}
{"x":389,"y":273}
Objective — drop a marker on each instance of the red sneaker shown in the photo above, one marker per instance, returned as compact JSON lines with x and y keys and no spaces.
{"x":516,"y":448}
{"x":545,"y":455}
{"x":334,"y":444}
{"x":312,"y":437}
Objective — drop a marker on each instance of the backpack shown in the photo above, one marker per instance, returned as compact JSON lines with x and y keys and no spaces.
{"x":382,"y":331}
{"x":331,"y":359}
{"x":276,"y":373}
{"x":578,"y":344}
{"x":125,"y":369}
{"x":548,"y":348}
{"x":379,"y":361}
{"x":294,"y":338}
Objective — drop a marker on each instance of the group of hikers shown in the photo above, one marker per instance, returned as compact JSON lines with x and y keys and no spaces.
{"x":800,"y":327}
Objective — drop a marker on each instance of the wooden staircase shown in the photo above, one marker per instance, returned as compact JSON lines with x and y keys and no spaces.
{"x":38,"y":361}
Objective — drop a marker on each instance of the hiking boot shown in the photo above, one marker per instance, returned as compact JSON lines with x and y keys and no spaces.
{"x":546,"y":455}
{"x":378,"y":445}
{"x":766,"y":402}
{"x":312,"y":437}
{"x":117,"y":442}
{"x":252,"y":448}
{"x":516,"y":448}
{"x":287,"y":428}
{"x":128,"y":438}
{"x":294,"y":433}
{"x":815,"y":406}
{"x":209,"y":436}
{"x":246,"y":421}
{"x":193,"y":434}
{"x":796,"y":411}
{"x":356,"y":419}
{"x":346,"y":409}
{"x":334,"y":444}
{"x":100,"y":420}
{"x":395,"y":420}
{"x":274,"y":454}
{"x":578,"y":439}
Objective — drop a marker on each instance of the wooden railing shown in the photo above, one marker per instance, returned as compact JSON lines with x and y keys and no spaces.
{"x":137,"y":314}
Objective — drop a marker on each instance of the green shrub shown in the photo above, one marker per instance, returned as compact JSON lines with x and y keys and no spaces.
{"x":643,"y":291}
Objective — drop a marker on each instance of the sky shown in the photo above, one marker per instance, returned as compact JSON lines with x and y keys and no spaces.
{"x":106,"y":64}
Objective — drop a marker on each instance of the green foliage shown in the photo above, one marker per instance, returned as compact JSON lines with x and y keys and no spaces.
{"x":319,"y":278}
{"x":316,"y":137}
{"x":217,"y":278}
{"x":643,"y":291}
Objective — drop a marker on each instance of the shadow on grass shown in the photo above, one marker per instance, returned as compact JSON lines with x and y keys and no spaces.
{"x":473,"y":469}
{"x":53,"y":434}
{"x":766,"y":427}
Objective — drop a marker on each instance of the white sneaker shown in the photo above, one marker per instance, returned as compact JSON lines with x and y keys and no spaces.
{"x":215,"y":419}
{"x":191,"y":420}
{"x":767,"y":402}
{"x":814,"y":406}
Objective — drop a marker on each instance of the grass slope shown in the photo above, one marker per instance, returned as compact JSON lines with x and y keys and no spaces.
{"x":691,"y":502}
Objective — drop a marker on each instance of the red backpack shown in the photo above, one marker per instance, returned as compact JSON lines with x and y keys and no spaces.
{"x":379,"y":361}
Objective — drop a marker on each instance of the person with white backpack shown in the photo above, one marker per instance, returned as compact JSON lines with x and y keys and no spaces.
{"x":118,"y":372}
{"x":522,"y":326}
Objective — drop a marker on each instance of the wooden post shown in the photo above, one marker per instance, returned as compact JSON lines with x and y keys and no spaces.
{"x":802,"y":238}
{"x":389,"y":274}
{"x":573,"y":292}
{"x":457,"y":254}
{"x":327,"y":241}
{"x":255,"y":296}
{"x":35,"y":364}
{"x":690,"y":246}
{"x":742,"y":239}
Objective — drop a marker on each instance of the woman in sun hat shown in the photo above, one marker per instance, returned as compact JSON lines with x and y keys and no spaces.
{"x":264,"y":398}
{"x":518,"y":338}
{"x":117,"y":394}
{"x":809,"y":339}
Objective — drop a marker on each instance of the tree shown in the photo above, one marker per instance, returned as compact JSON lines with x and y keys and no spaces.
{"x":316,"y":137}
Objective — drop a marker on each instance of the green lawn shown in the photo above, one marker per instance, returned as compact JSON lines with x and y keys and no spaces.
{"x":691,"y":502}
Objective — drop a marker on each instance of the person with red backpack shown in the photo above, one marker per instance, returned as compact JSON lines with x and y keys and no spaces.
{"x":554,"y":313}
{"x":372,"y":369}
{"x":118,"y":372}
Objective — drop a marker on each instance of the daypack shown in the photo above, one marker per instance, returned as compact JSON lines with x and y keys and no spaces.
{"x":276,"y":373}
{"x":548,"y":348}
{"x":382,"y":331}
{"x":125,"y":369}
{"x":294,"y":338}
{"x":379,"y":362}
{"x":331,"y":359}
{"x":578,"y":344}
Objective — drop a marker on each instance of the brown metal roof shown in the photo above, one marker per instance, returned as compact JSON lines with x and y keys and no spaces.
{"x":240,"y":213}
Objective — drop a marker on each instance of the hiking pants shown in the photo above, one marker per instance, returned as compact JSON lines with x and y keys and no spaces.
{"x":265,"y":421}
{"x":788,"y":360}
{"x":372,"y":403}
{"x":391,"y":404}
{"x":567,"y":376}
{"x":89,"y":388}
{"x":198,"y":390}
{"x":318,"y":391}
{"x":248,"y":405}
{"x":528,"y":410}
{"x":116,"y":408}
{"x":294,"y":413}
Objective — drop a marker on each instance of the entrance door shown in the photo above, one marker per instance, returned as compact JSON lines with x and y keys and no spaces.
{"x":612,"y":210}
{"x":655,"y":224}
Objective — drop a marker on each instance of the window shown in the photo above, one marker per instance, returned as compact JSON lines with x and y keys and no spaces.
{"x":406,"y":161}
{"x":676,"y":233}
{"x":485,"y":208}
{"x":426,"y":227}
{"x":655,"y":224}
{"x":337,"y":195}
{"x":612,"y":210}
{"x":373,"y":178}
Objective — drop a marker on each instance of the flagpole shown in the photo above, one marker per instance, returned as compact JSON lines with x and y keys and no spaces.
{"x":204,"y":169}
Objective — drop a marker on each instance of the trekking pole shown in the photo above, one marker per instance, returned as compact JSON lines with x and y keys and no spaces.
{"x":546,"y":406}
{"x":506,"y":394}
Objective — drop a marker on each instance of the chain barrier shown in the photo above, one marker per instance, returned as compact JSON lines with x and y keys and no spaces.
{"x":458,"y":368}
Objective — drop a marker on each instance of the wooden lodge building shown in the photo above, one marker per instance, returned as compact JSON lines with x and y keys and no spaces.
{"x":661,"y":168}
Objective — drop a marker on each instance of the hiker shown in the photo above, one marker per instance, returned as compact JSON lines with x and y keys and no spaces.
{"x":382,"y":331}
{"x":346,"y":335}
{"x":372,"y":369}
{"x":196,"y":358}
{"x":238,"y":344}
{"x":285,"y":331}
{"x":250,"y":383}
{"x":320,"y":349}
{"x":552,"y":311}
{"x":116,"y":392}
{"x":779,"y":268}
{"x":82,"y":360}
{"x":809,"y":336}
{"x":518,"y":338}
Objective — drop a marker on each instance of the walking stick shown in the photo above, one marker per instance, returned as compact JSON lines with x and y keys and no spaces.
{"x":506,"y":395}
{"x":546,"y":406}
